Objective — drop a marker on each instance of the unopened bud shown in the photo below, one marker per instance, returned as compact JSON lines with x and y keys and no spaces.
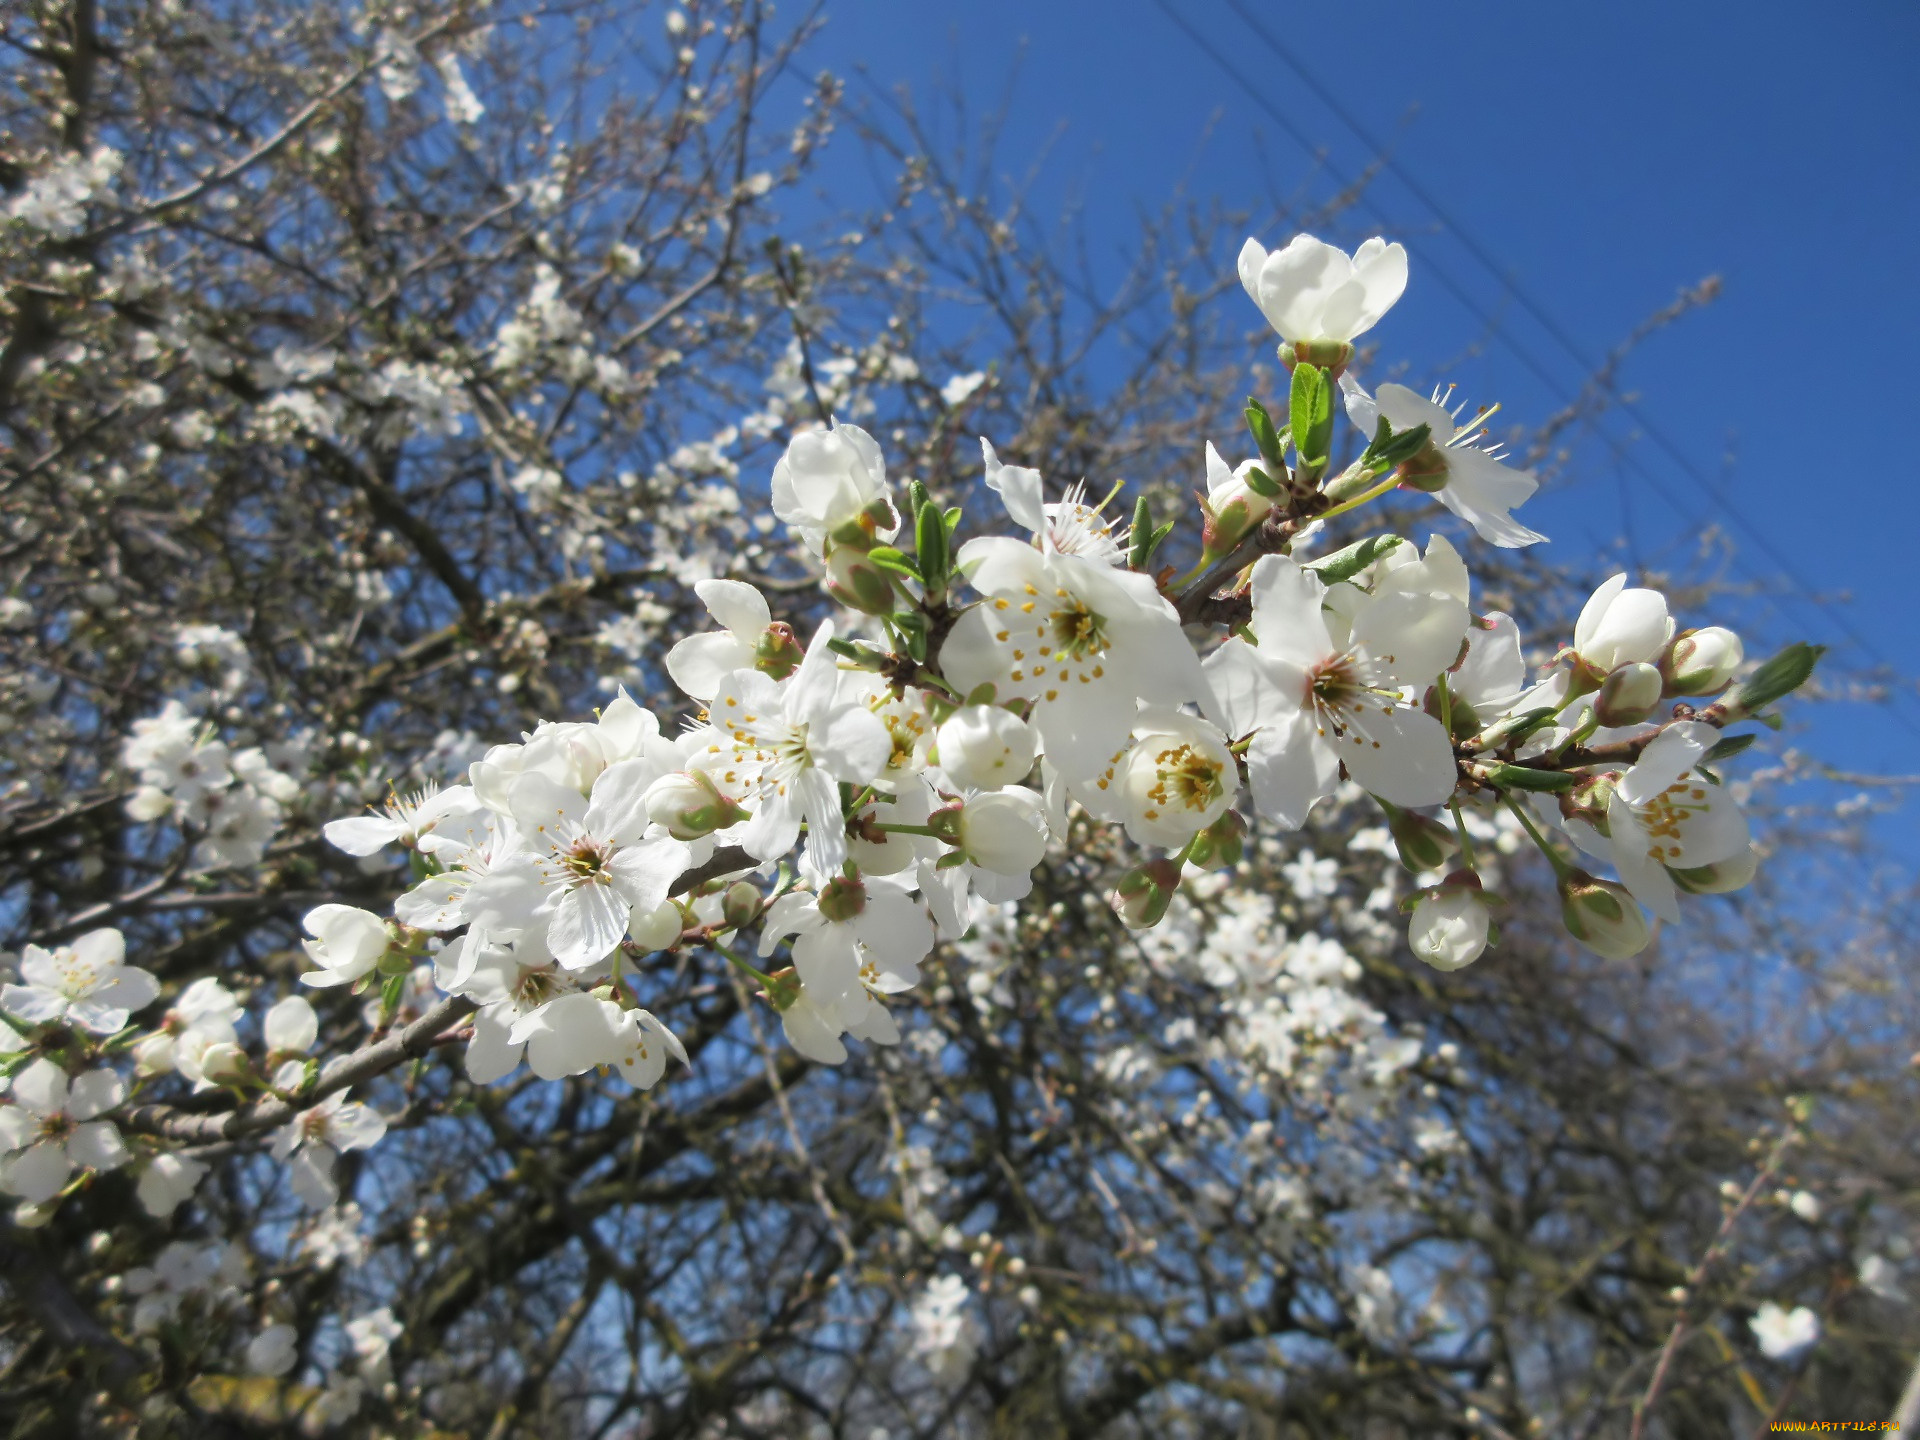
{"x":1221,"y":844}
{"x":1589,"y":800}
{"x":223,"y":1060}
{"x":741,"y":907}
{"x":856,"y":582}
{"x":1423,"y":842}
{"x":842,"y":898}
{"x":153,"y":1055}
{"x":656,"y":929}
{"x":1229,"y":516}
{"x":1628,"y":696}
{"x":1144,"y":893}
{"x":1451,"y":924}
{"x":1720,"y":878}
{"x":1701,"y":662}
{"x":1602,"y":916}
{"x":690,"y":805}
{"x":777,"y":654}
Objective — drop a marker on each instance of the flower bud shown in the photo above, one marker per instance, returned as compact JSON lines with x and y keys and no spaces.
{"x":1230,"y":513}
{"x":1628,"y":696}
{"x":1721,"y":878}
{"x":859,"y":584}
{"x":656,"y":929}
{"x":153,"y":1055}
{"x":223,"y":1060}
{"x":1590,"y":799}
{"x":777,"y":653}
{"x":1003,"y":831}
{"x":1144,"y":893}
{"x":1451,"y":925}
{"x":1423,"y":842}
{"x":1701,"y":662}
{"x":690,"y":805}
{"x":1602,"y":916}
{"x":1221,"y":844}
{"x":842,"y":898}
{"x":28,"y":1216}
{"x":741,"y":907}
{"x":983,"y":747}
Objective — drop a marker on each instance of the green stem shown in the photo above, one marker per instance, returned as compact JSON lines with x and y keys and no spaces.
{"x":1460,"y":824}
{"x":909,"y":830}
{"x":760,"y":975}
{"x":1561,"y":868}
{"x":1354,"y":504}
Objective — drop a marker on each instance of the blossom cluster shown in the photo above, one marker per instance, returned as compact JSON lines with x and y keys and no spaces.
{"x":828,"y":809}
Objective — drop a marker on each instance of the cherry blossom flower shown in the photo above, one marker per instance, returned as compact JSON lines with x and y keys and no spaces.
{"x":1313,"y":703}
{"x":1664,"y":815}
{"x":700,"y":663}
{"x":85,"y":983}
{"x":312,"y":1141}
{"x":798,"y":738}
{"x":52,"y":1128}
{"x":854,"y":934}
{"x":814,"y":1027}
{"x":1783,"y":1333}
{"x":1314,"y":291}
{"x":1621,"y":626}
{"x":1470,"y":478}
{"x":832,"y":479}
{"x":1082,"y":641}
{"x":983,"y":747}
{"x":347,"y":943}
{"x":1068,"y":526}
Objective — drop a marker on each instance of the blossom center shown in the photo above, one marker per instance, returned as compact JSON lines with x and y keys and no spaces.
{"x":1186,"y":778}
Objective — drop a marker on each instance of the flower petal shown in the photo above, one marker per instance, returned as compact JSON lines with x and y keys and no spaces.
{"x":587,"y":923}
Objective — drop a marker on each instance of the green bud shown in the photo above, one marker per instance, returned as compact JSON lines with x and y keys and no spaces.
{"x":1221,"y":844}
{"x":1629,"y":695}
{"x":1140,"y":540}
{"x":1425,"y":470}
{"x":858,"y":583}
{"x":1229,"y":525}
{"x":842,"y":898}
{"x":740,"y":906}
{"x":1602,"y":916}
{"x":1525,"y":777}
{"x":1144,"y":893}
{"x":1777,"y":678}
{"x":778,"y":653}
{"x":945,"y":824}
{"x":1423,"y":842}
{"x":930,"y":548}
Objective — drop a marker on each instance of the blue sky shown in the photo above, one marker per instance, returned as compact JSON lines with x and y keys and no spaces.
{"x":1602,"y":157}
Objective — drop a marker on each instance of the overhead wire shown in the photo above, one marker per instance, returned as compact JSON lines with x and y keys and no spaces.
{"x":1623,"y":455}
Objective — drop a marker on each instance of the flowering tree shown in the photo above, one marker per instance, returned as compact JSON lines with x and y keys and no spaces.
{"x":386,"y":382}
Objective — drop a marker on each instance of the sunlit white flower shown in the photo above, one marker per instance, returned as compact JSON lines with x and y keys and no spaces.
{"x":1083,"y":641}
{"x":1664,"y":815}
{"x":1314,"y":291}
{"x":1621,"y":626}
{"x":1068,"y":526}
{"x":273,"y":1351}
{"x":347,"y":943}
{"x":85,"y":983}
{"x":945,"y":1336}
{"x":700,"y":663}
{"x":1176,"y":779}
{"x":52,"y":1128}
{"x":406,"y":819}
{"x":1472,"y":482}
{"x":855,"y":934}
{"x":832,"y":479}
{"x":814,"y":1027}
{"x":798,"y":739}
{"x":983,"y":747}
{"x":1323,"y":689}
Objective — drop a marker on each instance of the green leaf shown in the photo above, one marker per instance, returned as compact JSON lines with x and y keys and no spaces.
{"x":1261,"y":483}
{"x":1727,"y":746}
{"x":930,"y":545}
{"x":1523,"y":777}
{"x":1777,"y":678}
{"x":952,"y":517}
{"x":1389,"y":449}
{"x":1311,"y":407}
{"x":1266,"y":439}
{"x":1349,"y":562}
{"x":1140,"y":544}
{"x":917,"y":497}
{"x":898,"y":561}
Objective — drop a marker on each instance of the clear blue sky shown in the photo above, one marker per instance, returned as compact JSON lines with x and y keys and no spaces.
{"x":1603,"y":156}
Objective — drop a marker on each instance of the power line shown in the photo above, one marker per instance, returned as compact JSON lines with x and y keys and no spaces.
{"x":1533,"y":307}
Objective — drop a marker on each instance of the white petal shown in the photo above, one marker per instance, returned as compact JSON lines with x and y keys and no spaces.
{"x":1289,"y":767}
{"x":491,"y":1055}
{"x":699,"y":664}
{"x":645,"y":872}
{"x":736,"y":605}
{"x":1668,"y":756}
{"x":1019,"y":490}
{"x":362,"y":834}
{"x":97,"y":1146}
{"x":1595,"y":610}
{"x":1286,"y":612}
{"x":36,"y":1174}
{"x":809,"y":1032}
{"x":1414,"y":636}
{"x":1403,"y":756}
{"x":95,"y":1093}
{"x":41,"y":1088}
{"x":32,"y":1004}
{"x":618,"y":809}
{"x":587,"y":923}
{"x":1646,"y":877}
{"x":852,"y":743}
